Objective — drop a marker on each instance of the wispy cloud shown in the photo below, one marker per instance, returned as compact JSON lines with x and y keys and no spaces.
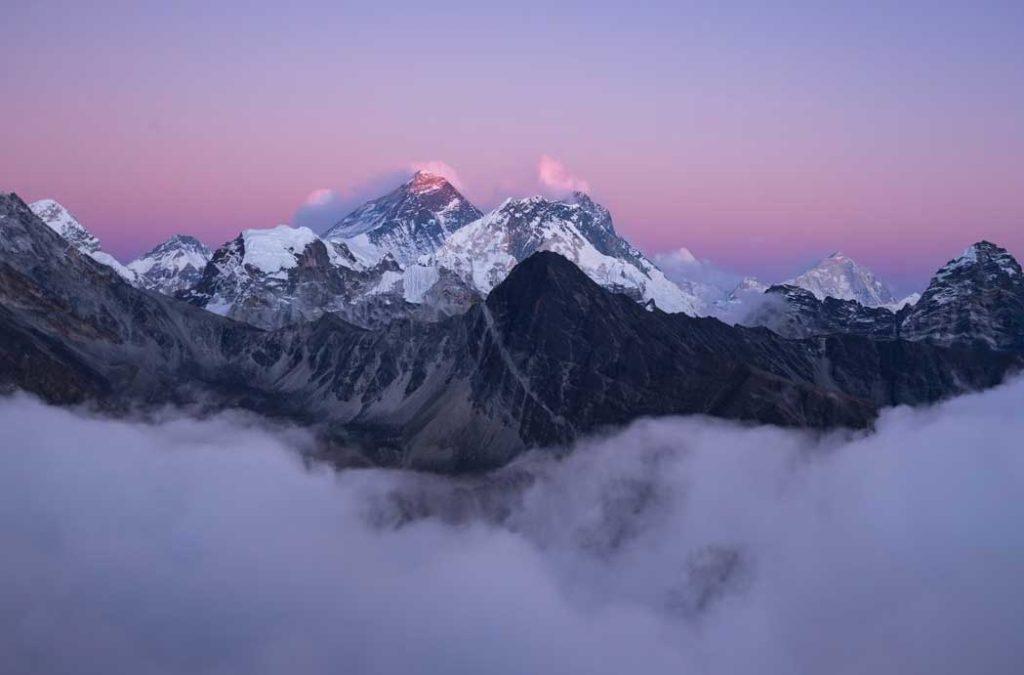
{"x":555,"y":178}
{"x":439,"y":168}
{"x":324,"y":207}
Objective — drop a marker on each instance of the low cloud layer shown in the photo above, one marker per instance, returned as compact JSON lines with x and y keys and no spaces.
{"x":676,"y":545}
{"x":682,"y":266}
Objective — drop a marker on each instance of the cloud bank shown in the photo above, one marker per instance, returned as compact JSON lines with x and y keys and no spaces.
{"x":681,"y":266}
{"x":676,"y":545}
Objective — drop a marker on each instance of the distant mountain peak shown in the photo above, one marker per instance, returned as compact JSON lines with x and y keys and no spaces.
{"x":412,"y":220}
{"x":839,"y":276}
{"x":61,"y":221}
{"x":424,"y":181}
{"x":983,"y":253}
{"x":184,"y":240}
{"x":484,"y":252}
{"x":977,"y":296}
{"x":174,"y":265}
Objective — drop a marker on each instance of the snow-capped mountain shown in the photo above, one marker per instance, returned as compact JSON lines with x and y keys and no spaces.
{"x":413,"y":220}
{"x":66,"y":225}
{"x":976,"y":297}
{"x":485,"y":251}
{"x":283,"y":275}
{"x":746,"y":287}
{"x":838,"y":276}
{"x":175,"y":265}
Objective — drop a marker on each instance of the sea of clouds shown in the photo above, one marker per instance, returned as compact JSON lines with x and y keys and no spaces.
{"x":673,"y":546}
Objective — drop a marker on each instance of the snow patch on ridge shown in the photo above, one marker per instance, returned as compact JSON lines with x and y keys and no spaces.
{"x":277,"y":248}
{"x":485,"y":251}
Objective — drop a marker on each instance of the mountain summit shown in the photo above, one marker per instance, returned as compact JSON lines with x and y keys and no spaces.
{"x":60,"y":220}
{"x":66,"y":225}
{"x":977,"y":297}
{"x":838,"y":276}
{"x":410,"y":221}
{"x":485,"y":251}
{"x":974,"y":300}
{"x":175,"y":265}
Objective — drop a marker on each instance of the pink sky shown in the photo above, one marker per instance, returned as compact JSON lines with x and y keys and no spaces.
{"x":761,"y":141}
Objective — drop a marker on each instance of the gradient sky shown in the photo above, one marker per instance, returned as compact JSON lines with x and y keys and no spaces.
{"x":759,"y":137}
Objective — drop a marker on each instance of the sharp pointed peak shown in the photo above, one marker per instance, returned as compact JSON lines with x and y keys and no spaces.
{"x":182,"y":239}
{"x":837,"y":255}
{"x":426,"y":181}
{"x":50,"y":207}
{"x":981,"y":253}
{"x":983,"y":246}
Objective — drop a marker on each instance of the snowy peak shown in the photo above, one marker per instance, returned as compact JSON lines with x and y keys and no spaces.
{"x":602,"y":219}
{"x":424,"y":182}
{"x":282,"y":275}
{"x":175,"y":265}
{"x":274,"y":249}
{"x":413,"y":220}
{"x":484,"y":252}
{"x":60,"y":220}
{"x":977,"y":297}
{"x":538,"y":218}
{"x":838,"y":276}
{"x":981,"y":268}
{"x":181,"y":244}
{"x":978,"y":262}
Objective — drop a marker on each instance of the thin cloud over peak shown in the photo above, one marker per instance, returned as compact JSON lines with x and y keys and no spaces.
{"x":555,"y":177}
{"x":439,"y":168}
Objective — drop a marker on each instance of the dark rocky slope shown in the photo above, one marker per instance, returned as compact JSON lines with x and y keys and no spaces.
{"x":550,"y":355}
{"x":976,"y":299}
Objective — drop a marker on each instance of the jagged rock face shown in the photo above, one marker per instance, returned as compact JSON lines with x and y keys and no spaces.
{"x":977,"y":297}
{"x":796,"y":313}
{"x":485,"y":251}
{"x":581,"y":358}
{"x":549,"y":356}
{"x":282,"y":276}
{"x":74,"y":330}
{"x":838,"y":276}
{"x":413,"y":220}
{"x":173,"y":266}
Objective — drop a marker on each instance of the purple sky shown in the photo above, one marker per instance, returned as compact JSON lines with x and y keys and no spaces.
{"x":759,"y":138}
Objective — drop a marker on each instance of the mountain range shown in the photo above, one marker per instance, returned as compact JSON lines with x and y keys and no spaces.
{"x":976,"y":298}
{"x":573,"y":336}
{"x":424,"y":250}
